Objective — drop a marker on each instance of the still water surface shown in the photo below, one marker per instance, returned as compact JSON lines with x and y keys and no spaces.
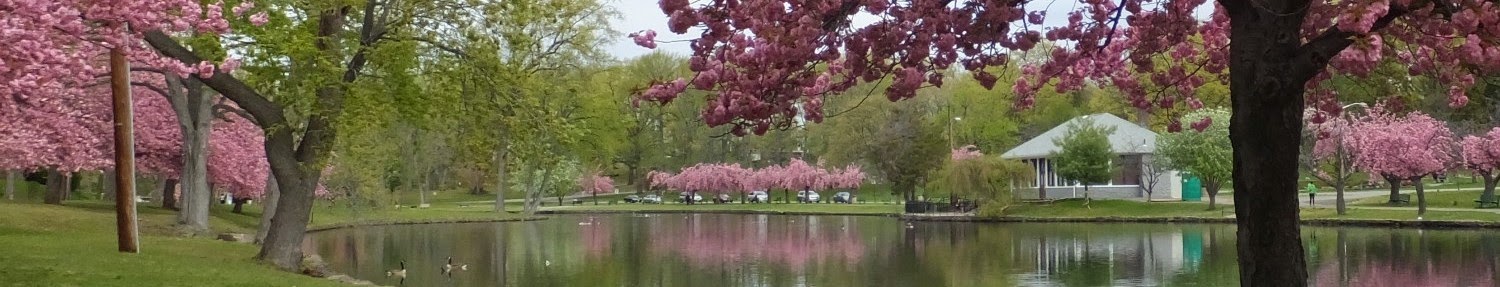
{"x":772,"y":250}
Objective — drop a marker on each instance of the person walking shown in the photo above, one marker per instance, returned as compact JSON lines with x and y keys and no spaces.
{"x":1312,"y":192}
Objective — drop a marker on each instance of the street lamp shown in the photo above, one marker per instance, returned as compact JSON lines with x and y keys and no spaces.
{"x":951,"y":142}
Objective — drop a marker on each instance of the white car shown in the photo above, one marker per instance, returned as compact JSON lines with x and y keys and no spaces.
{"x":807,"y":196}
{"x":651,"y":198}
{"x":759,"y":196}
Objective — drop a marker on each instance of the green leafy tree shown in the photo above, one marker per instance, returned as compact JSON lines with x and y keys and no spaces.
{"x":1085,"y":154}
{"x":986,"y":179}
{"x":1202,"y":150}
{"x":905,"y":148}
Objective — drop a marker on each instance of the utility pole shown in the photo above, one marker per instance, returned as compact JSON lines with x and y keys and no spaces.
{"x":119,"y":83}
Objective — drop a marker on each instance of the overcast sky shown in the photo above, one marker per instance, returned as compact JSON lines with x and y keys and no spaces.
{"x":637,"y":15}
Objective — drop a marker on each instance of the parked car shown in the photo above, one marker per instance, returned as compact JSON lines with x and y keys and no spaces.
{"x":577,"y":201}
{"x":632,"y":199}
{"x":759,"y":196}
{"x":651,"y":198}
{"x":683,"y":197}
{"x":808,"y":196}
{"x":723,"y":198}
{"x":843,"y":197}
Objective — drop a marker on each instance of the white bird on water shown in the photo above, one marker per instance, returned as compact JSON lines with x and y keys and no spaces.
{"x":547,"y":262}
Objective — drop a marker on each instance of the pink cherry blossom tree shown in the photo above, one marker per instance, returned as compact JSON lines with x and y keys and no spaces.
{"x":767,"y":60}
{"x":797,"y":175}
{"x":595,"y":183}
{"x":1481,"y":154}
{"x":1412,"y":146}
{"x":659,"y":180}
{"x":1330,"y":160}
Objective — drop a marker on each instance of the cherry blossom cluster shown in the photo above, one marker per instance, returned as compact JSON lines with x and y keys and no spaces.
{"x":1405,"y":146}
{"x":595,"y":183}
{"x":766,"y":61}
{"x":1481,"y":152}
{"x":726,"y":178}
{"x":965,"y":153}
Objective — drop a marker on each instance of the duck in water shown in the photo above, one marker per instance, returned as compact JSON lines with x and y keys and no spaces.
{"x":449,"y":267}
{"x":398,"y":273}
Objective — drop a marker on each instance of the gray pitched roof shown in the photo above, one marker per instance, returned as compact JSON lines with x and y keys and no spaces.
{"x":1128,"y":138}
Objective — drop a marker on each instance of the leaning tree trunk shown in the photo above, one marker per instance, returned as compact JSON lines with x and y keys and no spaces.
{"x":273,"y":195}
{"x":1421,"y":195}
{"x":57,"y":188}
{"x":192,"y":105}
{"x":10,"y":184}
{"x":169,"y":193}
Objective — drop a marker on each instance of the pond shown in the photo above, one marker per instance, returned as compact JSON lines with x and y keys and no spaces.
{"x":773,"y":250}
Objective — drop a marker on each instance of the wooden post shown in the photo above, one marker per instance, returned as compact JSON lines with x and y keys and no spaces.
{"x":119,"y":77}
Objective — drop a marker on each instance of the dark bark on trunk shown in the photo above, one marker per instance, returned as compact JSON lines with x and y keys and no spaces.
{"x":239,"y":205}
{"x":169,"y":193}
{"x":273,"y":195}
{"x":1041,"y":190}
{"x":1338,"y":193}
{"x":1395,"y":187}
{"x":1213,"y":195}
{"x":1489,"y":187}
{"x":1421,"y":196}
{"x":56,"y":187}
{"x":1267,"y":73}
{"x":297,"y":165}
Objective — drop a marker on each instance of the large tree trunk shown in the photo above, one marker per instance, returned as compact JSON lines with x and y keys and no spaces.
{"x":107,"y":184}
{"x":422,"y":190}
{"x":1338,"y":193}
{"x":1268,"y":69}
{"x":192,"y":104}
{"x":239,"y":205}
{"x":10,"y":184}
{"x":1213,"y":195}
{"x":57,"y":187}
{"x":169,"y":193}
{"x":1489,"y":187}
{"x":1395,"y":183}
{"x":273,"y":195}
{"x":296,"y":163}
{"x":1421,"y":196}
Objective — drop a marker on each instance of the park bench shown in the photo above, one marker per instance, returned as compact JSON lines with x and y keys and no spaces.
{"x":1488,"y":204}
{"x":1401,"y":200}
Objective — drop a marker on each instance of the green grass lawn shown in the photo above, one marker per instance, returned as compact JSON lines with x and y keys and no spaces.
{"x":767,"y":207}
{"x":1450,"y":199}
{"x":1117,"y":208}
{"x":1387,"y":214}
{"x":74,"y":245}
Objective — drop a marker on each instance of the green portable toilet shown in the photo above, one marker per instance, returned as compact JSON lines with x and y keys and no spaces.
{"x":1192,"y":188}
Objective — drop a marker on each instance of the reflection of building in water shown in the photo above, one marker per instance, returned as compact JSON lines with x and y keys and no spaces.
{"x":1112,"y":259}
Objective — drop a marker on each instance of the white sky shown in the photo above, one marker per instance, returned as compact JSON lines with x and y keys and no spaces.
{"x":637,"y":15}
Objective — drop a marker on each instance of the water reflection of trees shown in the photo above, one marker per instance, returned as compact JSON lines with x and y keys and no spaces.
{"x":763,"y":250}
